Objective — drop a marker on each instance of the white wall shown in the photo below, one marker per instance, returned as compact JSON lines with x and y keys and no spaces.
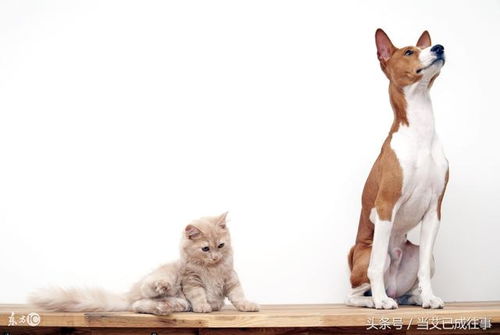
{"x":121,"y":121}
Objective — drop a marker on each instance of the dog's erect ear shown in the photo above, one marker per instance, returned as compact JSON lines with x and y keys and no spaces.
{"x":221,"y":220}
{"x":424,"y":41}
{"x":192,"y":232}
{"x":385,"y":48}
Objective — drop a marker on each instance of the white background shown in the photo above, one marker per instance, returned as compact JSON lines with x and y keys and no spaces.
{"x":121,"y":121}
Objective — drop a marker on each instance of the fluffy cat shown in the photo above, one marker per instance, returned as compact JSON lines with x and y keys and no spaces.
{"x":199,"y":281}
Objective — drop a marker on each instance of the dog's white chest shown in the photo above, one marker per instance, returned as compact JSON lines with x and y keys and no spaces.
{"x":423,"y":163}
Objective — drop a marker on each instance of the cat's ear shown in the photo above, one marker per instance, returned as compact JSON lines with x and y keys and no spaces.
{"x":221,"y":220}
{"x":192,"y":232}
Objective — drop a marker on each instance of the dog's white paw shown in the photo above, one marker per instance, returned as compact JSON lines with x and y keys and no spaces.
{"x":360,"y":301}
{"x":385,"y":303}
{"x":431,"y":301}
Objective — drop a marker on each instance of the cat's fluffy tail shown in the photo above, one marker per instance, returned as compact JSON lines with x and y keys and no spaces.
{"x":79,"y":300}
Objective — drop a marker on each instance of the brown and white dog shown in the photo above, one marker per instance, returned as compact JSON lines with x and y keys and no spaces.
{"x":404,"y":188}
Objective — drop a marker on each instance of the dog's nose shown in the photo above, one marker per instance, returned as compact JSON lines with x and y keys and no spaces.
{"x":438,"y":49}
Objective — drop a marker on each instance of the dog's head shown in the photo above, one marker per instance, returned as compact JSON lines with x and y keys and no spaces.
{"x":408,"y":65}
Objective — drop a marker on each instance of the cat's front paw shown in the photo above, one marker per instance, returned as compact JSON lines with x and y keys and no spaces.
{"x":163,"y":308}
{"x":216,"y":306}
{"x":161,"y":287}
{"x":202,"y":308}
{"x":247,"y":306}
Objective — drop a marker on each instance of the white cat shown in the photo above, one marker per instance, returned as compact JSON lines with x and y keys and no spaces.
{"x":199,"y":281}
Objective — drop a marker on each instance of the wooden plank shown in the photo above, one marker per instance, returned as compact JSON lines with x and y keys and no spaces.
{"x":95,"y":331}
{"x":294,"y":331}
{"x":335,"y":315}
{"x":232,"y":331}
{"x":32,"y":331}
{"x":338,"y":330}
{"x":142,"y":331}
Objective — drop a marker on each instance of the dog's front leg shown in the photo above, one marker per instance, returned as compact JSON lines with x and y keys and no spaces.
{"x":379,"y":262}
{"x":429,"y":230}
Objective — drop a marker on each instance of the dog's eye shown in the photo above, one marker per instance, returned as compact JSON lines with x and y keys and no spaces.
{"x":408,"y":52}
{"x":205,"y":249}
{"x":220,"y":245}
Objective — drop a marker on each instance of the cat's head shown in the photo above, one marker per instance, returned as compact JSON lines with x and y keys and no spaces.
{"x":206,"y":241}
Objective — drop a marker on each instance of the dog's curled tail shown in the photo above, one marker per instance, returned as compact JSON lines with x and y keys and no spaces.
{"x":79,"y":300}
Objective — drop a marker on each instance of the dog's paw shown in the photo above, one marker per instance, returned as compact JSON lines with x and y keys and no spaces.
{"x":161,"y":287}
{"x":385,"y":303}
{"x":432,"y":301}
{"x":202,"y":308}
{"x":357,"y":301}
{"x":247,"y":306}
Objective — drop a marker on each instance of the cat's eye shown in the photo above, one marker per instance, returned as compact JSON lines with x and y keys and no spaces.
{"x":408,"y":52}
{"x":220,"y":245}
{"x":205,"y":249}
